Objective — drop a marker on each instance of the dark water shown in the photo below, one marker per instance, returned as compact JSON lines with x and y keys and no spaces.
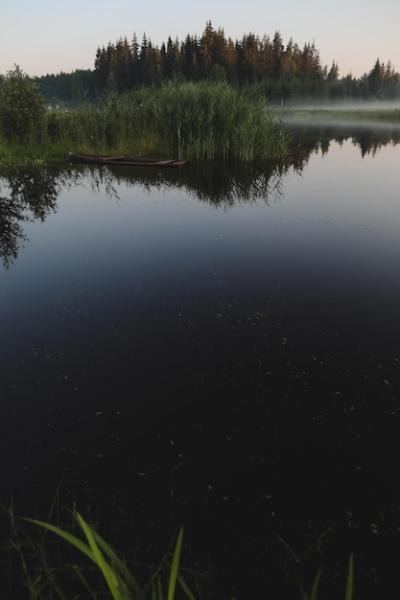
{"x":218,"y":347}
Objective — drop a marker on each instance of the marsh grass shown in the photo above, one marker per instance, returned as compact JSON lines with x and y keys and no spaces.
{"x":109,"y":576}
{"x":187,"y":120}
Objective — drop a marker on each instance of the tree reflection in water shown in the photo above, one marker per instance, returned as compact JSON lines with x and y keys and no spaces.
{"x":30,"y":193}
{"x":26,"y":194}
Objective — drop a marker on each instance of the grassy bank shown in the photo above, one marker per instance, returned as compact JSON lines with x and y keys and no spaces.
{"x":188,"y":120}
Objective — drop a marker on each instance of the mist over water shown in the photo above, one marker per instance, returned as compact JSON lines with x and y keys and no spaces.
{"x":345,"y":117}
{"x":342,"y":105}
{"x":344,"y":125}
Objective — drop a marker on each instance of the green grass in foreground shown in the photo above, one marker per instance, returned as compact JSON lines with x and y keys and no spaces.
{"x":115,"y":578}
{"x":187,"y":120}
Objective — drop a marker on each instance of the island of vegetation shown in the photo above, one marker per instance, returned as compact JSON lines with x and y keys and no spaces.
{"x":204,"y":98}
{"x":202,"y":120}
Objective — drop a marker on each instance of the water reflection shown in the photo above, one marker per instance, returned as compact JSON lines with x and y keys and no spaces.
{"x":220,"y":184}
{"x":30,"y":193}
{"x":139,"y":329}
{"x":26,"y":194}
{"x":308,"y":138}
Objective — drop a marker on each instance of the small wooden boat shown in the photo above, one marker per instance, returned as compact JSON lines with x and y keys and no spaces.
{"x":125,"y":161}
{"x":93,"y":158}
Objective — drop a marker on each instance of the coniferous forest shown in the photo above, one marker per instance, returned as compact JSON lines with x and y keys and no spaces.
{"x":280,"y":71}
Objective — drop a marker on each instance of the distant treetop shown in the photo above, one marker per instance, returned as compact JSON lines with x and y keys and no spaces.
{"x":278,"y":69}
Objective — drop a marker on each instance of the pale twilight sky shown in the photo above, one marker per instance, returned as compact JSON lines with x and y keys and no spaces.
{"x":46,"y":36}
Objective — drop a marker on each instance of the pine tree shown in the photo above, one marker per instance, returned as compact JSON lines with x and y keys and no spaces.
{"x":333,"y":74}
{"x":375,"y":78}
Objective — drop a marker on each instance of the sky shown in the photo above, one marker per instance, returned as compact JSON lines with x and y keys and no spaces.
{"x":48,"y":36}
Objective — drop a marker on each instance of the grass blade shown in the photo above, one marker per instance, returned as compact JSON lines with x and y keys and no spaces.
{"x":117,"y":563}
{"x":350,"y":579}
{"x":173,"y":578}
{"x":185,"y":588}
{"x":304,"y":594}
{"x":160,"y":594}
{"x":108,"y":573}
{"x":84,"y":581}
{"x":68,"y":537}
{"x":314,"y":591}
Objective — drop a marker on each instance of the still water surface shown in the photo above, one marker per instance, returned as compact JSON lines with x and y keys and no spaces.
{"x":219,"y":347}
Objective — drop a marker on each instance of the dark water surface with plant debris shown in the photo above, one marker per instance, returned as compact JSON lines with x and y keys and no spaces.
{"x":219,"y":347}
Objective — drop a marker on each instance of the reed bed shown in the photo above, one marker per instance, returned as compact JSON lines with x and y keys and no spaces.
{"x":187,"y":120}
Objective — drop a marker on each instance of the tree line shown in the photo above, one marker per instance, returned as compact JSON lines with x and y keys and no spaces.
{"x":278,"y":70}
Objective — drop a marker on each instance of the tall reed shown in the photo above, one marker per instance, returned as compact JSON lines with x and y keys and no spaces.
{"x":188,"y":120}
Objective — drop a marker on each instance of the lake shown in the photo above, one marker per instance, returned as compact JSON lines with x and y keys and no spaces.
{"x":218,"y":347}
